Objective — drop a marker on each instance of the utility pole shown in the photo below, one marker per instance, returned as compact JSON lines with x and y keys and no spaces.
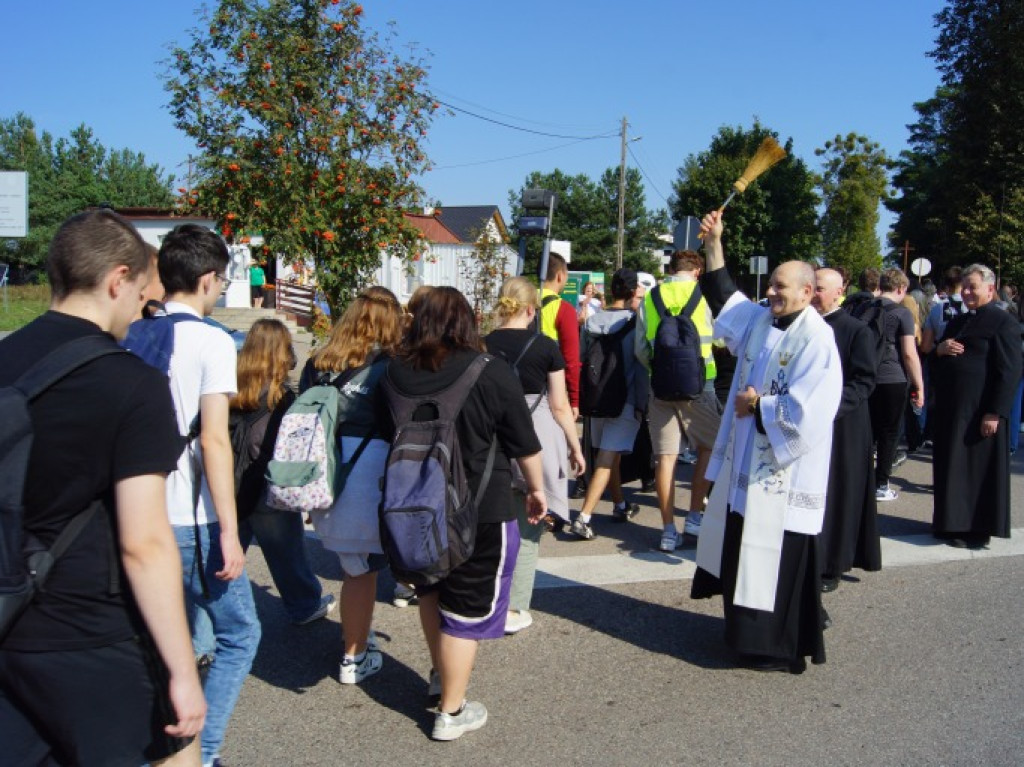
{"x":622,"y":200}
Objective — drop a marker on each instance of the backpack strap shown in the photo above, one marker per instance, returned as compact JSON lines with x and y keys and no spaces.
{"x":63,"y":361}
{"x":485,"y":478}
{"x":547,"y":300}
{"x":691,"y":305}
{"x":515,"y":369}
{"x":40,"y":562}
{"x":659,"y":302}
{"x":687,"y":310}
{"x":54,"y":367}
{"x":403,"y":405}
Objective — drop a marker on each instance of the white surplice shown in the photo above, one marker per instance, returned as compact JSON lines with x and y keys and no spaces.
{"x":777,"y":480}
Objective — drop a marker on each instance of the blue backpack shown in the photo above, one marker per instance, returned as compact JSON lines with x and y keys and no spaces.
{"x":677,"y":366}
{"x":152,"y":339}
{"x":428,"y":517}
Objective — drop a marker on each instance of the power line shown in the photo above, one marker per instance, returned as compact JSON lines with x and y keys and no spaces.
{"x":509,"y":157}
{"x":511,"y":117}
{"x":645,"y":174}
{"x":526,"y":130}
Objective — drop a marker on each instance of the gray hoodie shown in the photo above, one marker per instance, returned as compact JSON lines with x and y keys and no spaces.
{"x":608,"y":321}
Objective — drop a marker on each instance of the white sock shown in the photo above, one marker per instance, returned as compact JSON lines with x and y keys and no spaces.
{"x":346,"y":658}
{"x":584,"y":518}
{"x":671,"y":528}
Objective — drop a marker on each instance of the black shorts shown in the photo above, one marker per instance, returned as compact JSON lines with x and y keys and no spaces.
{"x":256,"y":291}
{"x":474,"y":598}
{"x":102,"y":705}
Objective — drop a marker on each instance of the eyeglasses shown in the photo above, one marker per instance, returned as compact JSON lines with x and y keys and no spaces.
{"x":224,"y":281}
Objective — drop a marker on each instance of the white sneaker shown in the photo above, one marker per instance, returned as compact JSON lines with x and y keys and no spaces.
{"x":451,"y":726}
{"x":517,"y":620}
{"x":353,"y":673}
{"x":885,"y":493}
{"x":670,"y":541}
{"x":327,"y":605}
{"x":692,"y":526}
{"x":404,"y":595}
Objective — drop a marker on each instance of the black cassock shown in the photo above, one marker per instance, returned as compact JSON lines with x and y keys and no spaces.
{"x":849,"y":536}
{"x":971,"y":473}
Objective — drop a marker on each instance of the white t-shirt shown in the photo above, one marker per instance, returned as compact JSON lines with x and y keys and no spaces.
{"x":203,"y":363}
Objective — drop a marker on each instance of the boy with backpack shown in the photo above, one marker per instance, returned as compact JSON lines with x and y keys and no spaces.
{"x":201,"y":492}
{"x":613,"y":394}
{"x":98,"y":668}
{"x":673,"y":341}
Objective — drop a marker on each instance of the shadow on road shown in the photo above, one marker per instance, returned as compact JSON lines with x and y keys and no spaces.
{"x":676,"y":632}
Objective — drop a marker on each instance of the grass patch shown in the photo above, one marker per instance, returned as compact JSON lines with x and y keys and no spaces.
{"x":24,"y":304}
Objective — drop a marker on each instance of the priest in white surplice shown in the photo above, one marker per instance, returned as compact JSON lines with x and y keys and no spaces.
{"x":770,"y":465}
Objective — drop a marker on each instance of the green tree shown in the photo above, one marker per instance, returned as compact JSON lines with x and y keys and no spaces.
{"x":967,"y":148}
{"x":853,"y":183}
{"x":310,"y":127}
{"x":587,"y":215}
{"x":992,"y":232}
{"x":483,"y":273}
{"x":774,"y":217}
{"x":69,"y":175}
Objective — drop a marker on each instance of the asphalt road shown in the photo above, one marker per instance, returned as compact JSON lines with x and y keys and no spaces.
{"x":925,"y":665}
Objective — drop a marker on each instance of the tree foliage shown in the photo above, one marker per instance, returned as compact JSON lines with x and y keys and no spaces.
{"x":992,"y":232}
{"x":483,"y":274}
{"x":853,"y":183}
{"x":774,"y":217}
{"x":311,"y":130}
{"x":70,"y":174}
{"x":587,"y":215}
{"x":967,"y":146}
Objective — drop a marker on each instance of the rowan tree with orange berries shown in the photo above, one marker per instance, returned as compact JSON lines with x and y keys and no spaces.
{"x":310,"y":128}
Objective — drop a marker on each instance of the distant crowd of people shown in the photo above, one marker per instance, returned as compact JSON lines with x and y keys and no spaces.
{"x":163,"y":465}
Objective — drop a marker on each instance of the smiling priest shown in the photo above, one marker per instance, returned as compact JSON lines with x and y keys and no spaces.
{"x":770,"y":465}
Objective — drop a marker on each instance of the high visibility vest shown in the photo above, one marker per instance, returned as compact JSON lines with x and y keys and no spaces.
{"x":548,"y":313}
{"x":675,"y":294}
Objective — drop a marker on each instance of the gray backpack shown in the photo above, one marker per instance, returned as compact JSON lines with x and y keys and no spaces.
{"x":428,"y":517}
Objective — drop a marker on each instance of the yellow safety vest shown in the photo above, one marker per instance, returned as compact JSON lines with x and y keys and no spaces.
{"x":548,"y":313}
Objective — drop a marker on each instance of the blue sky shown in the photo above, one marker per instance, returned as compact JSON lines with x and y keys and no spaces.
{"x":676,"y":69}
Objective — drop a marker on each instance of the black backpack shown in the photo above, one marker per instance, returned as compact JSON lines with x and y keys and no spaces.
{"x":603,"y":385}
{"x":24,"y":562}
{"x":677,"y":366}
{"x":428,"y":516}
{"x":873,"y":313}
{"x":535,"y":322}
{"x":249,"y":471}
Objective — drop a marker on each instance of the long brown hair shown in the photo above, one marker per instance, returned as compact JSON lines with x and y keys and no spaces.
{"x":263,"y":365}
{"x":373,"y":319}
{"x":443,"y":323}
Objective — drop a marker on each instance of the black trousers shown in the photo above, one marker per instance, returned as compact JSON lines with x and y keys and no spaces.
{"x":886,"y":404}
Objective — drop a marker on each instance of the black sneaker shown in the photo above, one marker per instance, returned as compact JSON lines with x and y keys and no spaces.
{"x":625,"y":513}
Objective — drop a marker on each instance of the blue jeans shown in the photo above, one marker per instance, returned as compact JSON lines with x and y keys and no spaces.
{"x":231,"y":613}
{"x":282,"y":538}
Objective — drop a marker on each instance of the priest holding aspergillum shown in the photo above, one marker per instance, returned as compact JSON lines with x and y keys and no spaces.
{"x":770,"y":465}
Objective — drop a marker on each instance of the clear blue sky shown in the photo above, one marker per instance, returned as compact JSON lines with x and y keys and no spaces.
{"x":677,"y":69}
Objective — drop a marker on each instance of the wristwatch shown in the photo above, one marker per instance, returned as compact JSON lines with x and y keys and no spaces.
{"x":752,"y":407}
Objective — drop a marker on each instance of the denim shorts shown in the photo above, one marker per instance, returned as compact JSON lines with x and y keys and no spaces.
{"x":354,"y":565}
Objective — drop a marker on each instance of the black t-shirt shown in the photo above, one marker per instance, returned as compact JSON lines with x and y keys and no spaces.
{"x":541,"y":358}
{"x":495,"y":407}
{"x":110,"y":420}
